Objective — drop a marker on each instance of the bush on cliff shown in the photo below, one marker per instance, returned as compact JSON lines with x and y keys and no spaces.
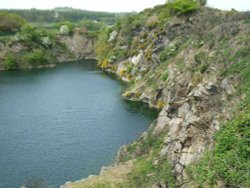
{"x":10,"y":62}
{"x":102,"y":46}
{"x":179,"y":7}
{"x":28,"y":33}
{"x":228,"y":163}
{"x":36,"y":57}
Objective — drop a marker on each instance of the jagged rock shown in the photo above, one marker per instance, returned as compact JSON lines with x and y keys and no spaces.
{"x":175,"y":125}
{"x":212,"y":88}
{"x":162,"y":122}
{"x":200,"y":92}
{"x":155,"y":58}
{"x":227,"y":86}
{"x":183,"y":110}
{"x":80,"y":45}
{"x":138,"y":59}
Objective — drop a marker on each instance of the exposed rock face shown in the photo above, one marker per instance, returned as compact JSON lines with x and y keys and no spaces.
{"x":80,"y":45}
{"x":188,"y":85}
{"x":66,"y":48}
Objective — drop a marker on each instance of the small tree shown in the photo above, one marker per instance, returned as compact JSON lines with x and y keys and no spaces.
{"x":10,"y":62}
{"x":36,"y":57}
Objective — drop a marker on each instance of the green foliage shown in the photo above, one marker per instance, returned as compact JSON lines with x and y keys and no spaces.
{"x":129,"y":69}
{"x":36,"y":57}
{"x":129,"y":25}
{"x":117,"y":54}
{"x":229,"y":162}
{"x":239,"y":67}
{"x":10,"y":62}
{"x":145,"y":173}
{"x":29,"y":33}
{"x":64,"y":14}
{"x":167,"y":52}
{"x":164,"y":76}
{"x":179,"y":7}
{"x":91,"y":25}
{"x":10,"y":22}
{"x":199,"y":57}
{"x":102,"y":47}
{"x":36,"y":37}
{"x":68,"y":25}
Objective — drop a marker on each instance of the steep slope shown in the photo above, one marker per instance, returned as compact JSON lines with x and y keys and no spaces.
{"x":193,"y":64}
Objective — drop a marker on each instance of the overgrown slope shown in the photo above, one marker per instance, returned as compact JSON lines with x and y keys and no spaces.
{"x":194,"y":65}
{"x":32,"y":47}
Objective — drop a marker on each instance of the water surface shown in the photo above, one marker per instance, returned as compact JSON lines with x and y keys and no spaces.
{"x":62,"y":124}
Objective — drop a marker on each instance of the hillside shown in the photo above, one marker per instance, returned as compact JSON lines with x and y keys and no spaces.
{"x":192,"y":63}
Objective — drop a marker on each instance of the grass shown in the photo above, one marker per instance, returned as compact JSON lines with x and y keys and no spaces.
{"x":229,"y":161}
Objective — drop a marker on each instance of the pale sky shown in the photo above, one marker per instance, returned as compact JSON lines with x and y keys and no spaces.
{"x":112,"y":5}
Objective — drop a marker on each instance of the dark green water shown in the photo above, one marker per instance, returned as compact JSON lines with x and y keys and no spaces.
{"x":62,"y":124}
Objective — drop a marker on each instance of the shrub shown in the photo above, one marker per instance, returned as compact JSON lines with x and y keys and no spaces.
{"x":64,"y":30}
{"x":102,"y":47}
{"x":10,"y":62}
{"x":36,"y":57}
{"x":164,"y":76}
{"x":179,"y":7}
{"x":29,"y":33}
{"x":129,"y":69}
{"x":66,"y":27}
{"x":229,"y":162}
{"x":167,"y":52}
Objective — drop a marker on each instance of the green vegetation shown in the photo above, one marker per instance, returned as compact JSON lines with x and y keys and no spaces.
{"x":146,"y":172}
{"x":64,"y":14}
{"x":91,"y":25}
{"x":164,"y":76}
{"x":10,"y":62}
{"x":69,"y":26}
{"x":36,"y":57}
{"x":168,"y":52}
{"x":102,"y":47}
{"x":179,"y":7}
{"x":229,"y":161}
{"x":10,"y":22}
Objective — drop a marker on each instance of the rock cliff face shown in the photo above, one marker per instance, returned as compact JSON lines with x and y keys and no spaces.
{"x":80,"y":45}
{"x":63,"y":48}
{"x":184,"y":66}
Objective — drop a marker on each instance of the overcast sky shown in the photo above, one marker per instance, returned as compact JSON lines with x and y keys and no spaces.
{"x":112,"y":5}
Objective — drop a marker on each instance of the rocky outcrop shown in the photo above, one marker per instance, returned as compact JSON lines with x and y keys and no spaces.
{"x":64,"y":48}
{"x":182,"y":68}
{"x":78,"y":44}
